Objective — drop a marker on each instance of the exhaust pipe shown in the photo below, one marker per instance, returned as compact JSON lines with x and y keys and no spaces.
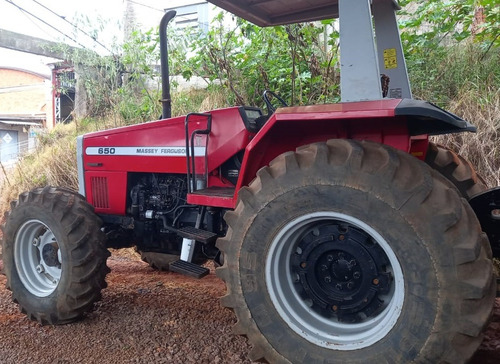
{"x":166,"y":101}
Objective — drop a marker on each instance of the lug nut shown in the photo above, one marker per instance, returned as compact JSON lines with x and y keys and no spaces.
{"x":376,"y":281}
{"x":36,"y":242}
{"x":40,"y":268}
{"x":335,"y":308}
{"x":324,"y":267}
{"x":341,"y":237}
{"x":338,"y":286}
{"x":328,"y":279}
{"x":350,"y":285}
{"x":329,"y":258}
{"x":356,"y":275}
{"x":303,"y":265}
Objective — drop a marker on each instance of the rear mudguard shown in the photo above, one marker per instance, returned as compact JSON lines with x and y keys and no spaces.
{"x":400,"y":123}
{"x":486,"y":205}
{"x":424,"y":117}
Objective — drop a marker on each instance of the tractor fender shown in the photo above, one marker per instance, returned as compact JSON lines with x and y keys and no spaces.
{"x":394,"y":122}
{"x":424,"y":117}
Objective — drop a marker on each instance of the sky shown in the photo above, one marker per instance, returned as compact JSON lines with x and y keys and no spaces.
{"x":63,"y":19}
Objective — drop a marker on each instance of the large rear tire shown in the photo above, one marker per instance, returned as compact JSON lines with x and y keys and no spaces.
{"x":54,"y":255}
{"x":355,"y":252}
{"x":456,"y":169}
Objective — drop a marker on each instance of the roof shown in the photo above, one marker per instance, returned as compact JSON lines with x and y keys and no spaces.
{"x":278,"y":12}
{"x":22,"y":119}
{"x":23,"y":70}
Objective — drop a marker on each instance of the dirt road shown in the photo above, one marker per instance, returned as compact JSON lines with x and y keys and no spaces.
{"x":148,"y":317}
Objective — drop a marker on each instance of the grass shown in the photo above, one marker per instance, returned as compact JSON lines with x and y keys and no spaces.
{"x":482,"y":149}
{"x":52,"y":163}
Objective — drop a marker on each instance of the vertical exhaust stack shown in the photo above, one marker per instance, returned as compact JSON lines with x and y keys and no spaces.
{"x":165,"y":82}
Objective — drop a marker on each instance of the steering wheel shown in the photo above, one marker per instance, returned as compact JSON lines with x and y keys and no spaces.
{"x":270,"y":107}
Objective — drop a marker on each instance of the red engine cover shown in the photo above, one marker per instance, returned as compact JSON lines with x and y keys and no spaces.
{"x":157,"y":147}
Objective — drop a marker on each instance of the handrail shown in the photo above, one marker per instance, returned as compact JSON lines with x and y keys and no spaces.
{"x":192,"y":186}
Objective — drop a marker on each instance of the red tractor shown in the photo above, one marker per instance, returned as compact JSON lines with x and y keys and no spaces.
{"x":341,"y":232}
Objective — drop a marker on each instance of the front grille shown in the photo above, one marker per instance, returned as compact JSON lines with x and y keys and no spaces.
{"x":100,"y":194}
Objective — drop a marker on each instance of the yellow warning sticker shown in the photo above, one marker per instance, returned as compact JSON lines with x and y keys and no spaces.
{"x":390,"y":59}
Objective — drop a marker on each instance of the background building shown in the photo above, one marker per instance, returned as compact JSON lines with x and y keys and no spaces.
{"x":24,"y":101}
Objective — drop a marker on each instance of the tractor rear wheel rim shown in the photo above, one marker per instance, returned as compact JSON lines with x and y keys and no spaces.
{"x":38,"y":258}
{"x":335,"y":280}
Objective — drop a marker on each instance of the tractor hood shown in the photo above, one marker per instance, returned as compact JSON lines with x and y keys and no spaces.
{"x":278,"y":12}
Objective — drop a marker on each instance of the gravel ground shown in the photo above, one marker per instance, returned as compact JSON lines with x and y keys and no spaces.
{"x":147,"y":316}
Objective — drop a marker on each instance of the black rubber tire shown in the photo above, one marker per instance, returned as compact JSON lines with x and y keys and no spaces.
{"x":69,"y":223}
{"x":445,"y":258}
{"x":455,"y":168}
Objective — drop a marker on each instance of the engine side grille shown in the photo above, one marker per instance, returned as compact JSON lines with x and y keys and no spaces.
{"x":100,"y":193}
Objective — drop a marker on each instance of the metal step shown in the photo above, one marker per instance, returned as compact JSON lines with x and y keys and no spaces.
{"x":227,"y":192}
{"x":203,"y":236}
{"x":213,"y":196}
{"x":189,"y":269}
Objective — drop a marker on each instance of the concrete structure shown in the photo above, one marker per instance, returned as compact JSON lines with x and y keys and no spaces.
{"x":28,"y":44}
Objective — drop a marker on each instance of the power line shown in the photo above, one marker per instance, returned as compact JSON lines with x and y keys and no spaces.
{"x":43,"y":21}
{"x":73,"y":25}
{"x":146,"y":6}
{"x":31,"y":20}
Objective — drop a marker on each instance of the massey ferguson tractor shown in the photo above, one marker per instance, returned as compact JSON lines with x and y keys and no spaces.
{"x":343,"y":235}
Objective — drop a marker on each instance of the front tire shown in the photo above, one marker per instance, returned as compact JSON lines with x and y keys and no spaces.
{"x":54,"y":255}
{"x":355,"y":252}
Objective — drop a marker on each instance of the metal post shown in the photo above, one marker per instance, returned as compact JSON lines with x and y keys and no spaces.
{"x":390,"y":51}
{"x":359,"y":70}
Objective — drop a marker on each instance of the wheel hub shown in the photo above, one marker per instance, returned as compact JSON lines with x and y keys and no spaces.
{"x":339,"y":270}
{"x":38,"y":258}
{"x":50,"y":255}
{"x":334,"y":280}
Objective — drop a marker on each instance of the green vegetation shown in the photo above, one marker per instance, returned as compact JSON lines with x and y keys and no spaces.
{"x":299,"y":60}
{"x":452,"y":62}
